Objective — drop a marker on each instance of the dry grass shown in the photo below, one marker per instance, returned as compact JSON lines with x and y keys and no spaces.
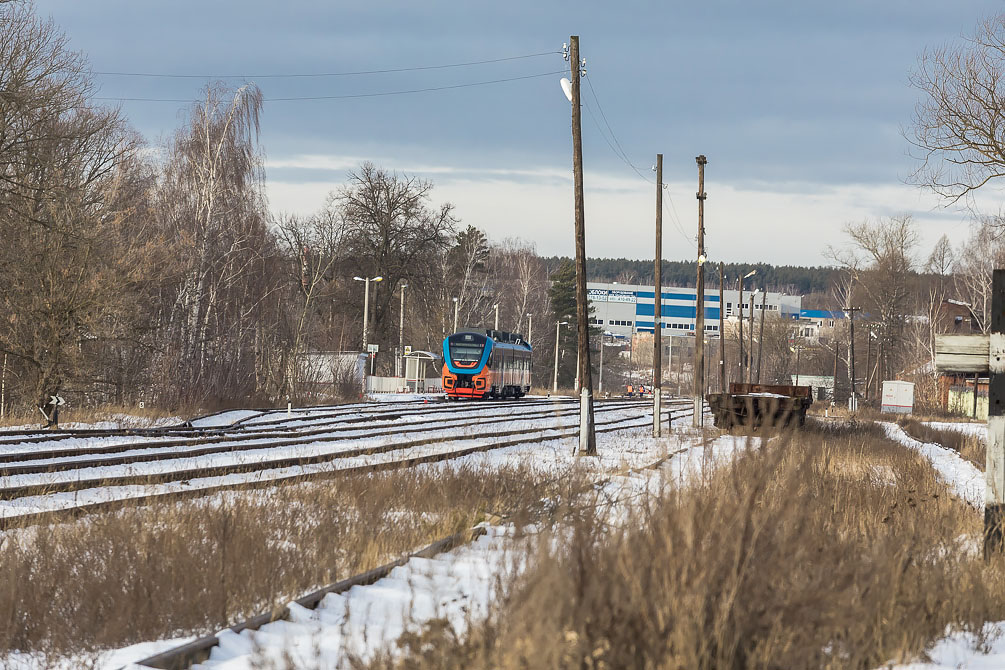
{"x":829,"y":548}
{"x":970,"y":447}
{"x":164,"y":570}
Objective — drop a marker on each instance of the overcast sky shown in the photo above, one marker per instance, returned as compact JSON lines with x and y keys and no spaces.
{"x":797,"y":105}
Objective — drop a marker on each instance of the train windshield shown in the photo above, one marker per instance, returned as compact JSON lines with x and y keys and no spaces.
{"x":466,"y":347}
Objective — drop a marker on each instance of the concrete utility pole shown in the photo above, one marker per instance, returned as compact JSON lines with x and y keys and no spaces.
{"x":366,"y":304}
{"x":457,"y":304}
{"x":530,"y":330}
{"x":851,"y":353}
{"x":587,"y":436}
{"x":739,"y":307}
{"x":558,"y":326}
{"x":658,"y":302}
{"x":868,"y":364}
{"x":994,"y":506}
{"x":699,"y":316}
{"x":401,"y":333}
{"x":496,"y":307}
{"x":750,"y":340}
{"x":760,"y":336}
{"x":837,"y":348}
{"x":722,"y":330}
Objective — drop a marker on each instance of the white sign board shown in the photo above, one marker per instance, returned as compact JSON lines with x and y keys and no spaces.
{"x":408,"y":350}
{"x":372,"y":348}
{"x":596,"y":295}
{"x":621,"y":296}
{"x":898,"y":397}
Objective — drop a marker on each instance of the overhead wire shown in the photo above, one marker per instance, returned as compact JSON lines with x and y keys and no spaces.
{"x":622,"y":154}
{"x":291,"y":75}
{"x":352,"y":95}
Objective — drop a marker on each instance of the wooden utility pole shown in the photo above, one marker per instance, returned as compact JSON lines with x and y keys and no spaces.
{"x":760,"y":335}
{"x":587,"y":436}
{"x":699,"y":316}
{"x":658,"y":302}
{"x":722,"y":331}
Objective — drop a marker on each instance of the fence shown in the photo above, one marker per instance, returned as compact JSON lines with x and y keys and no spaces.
{"x":961,"y":401}
{"x":400,"y":385}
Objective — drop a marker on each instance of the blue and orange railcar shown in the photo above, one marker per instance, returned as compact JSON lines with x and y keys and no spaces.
{"x":489,"y":364}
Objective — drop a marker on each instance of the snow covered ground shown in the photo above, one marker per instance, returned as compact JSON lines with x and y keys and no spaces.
{"x":959,"y":474}
{"x":969,"y":428}
{"x":458,"y":585}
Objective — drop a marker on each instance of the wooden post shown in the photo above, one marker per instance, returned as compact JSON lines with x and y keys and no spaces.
{"x":587,"y":436}
{"x":658,"y":301}
{"x":994,"y":504}
{"x":699,"y":315}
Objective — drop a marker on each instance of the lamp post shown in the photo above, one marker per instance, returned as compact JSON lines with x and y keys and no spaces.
{"x":798,"y":349}
{"x":600,"y":382}
{"x":366,"y":304}
{"x":558,"y":327}
{"x":456,"y":308}
{"x":401,"y":332}
{"x":739,"y":306}
{"x":496,"y":307}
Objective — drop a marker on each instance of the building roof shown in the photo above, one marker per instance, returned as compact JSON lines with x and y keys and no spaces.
{"x":821,"y":314}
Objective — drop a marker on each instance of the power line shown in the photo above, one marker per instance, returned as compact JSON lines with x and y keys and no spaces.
{"x":355,"y":95}
{"x":324,"y":74}
{"x":623,"y":155}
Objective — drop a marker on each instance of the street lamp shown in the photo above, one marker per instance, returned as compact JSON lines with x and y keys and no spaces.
{"x":600,"y":382}
{"x":798,"y":349}
{"x":456,"y":307}
{"x":558,"y":326}
{"x":496,"y":306}
{"x":366,"y":303}
{"x":401,"y":332}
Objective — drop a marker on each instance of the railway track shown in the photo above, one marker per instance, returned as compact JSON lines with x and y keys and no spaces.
{"x":119,"y":491}
{"x":200,"y":650}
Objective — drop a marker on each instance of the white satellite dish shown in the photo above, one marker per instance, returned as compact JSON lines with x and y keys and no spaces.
{"x":566,"y":88}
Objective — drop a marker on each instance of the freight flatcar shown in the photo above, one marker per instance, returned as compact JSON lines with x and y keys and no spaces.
{"x":488,"y":364}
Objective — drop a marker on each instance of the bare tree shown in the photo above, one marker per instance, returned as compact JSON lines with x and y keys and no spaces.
{"x":70,"y":186}
{"x":314,"y":248}
{"x":394,"y":232}
{"x":880,"y":257}
{"x":974,"y":265}
{"x":211,"y":199}
{"x":959,"y":125}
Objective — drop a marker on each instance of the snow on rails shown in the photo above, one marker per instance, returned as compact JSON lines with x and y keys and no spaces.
{"x":78,"y":472}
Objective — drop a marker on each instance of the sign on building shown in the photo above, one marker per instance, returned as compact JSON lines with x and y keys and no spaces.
{"x":621,"y":296}
{"x":597,"y":294}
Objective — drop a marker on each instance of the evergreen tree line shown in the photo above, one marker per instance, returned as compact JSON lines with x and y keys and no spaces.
{"x":790,"y":279}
